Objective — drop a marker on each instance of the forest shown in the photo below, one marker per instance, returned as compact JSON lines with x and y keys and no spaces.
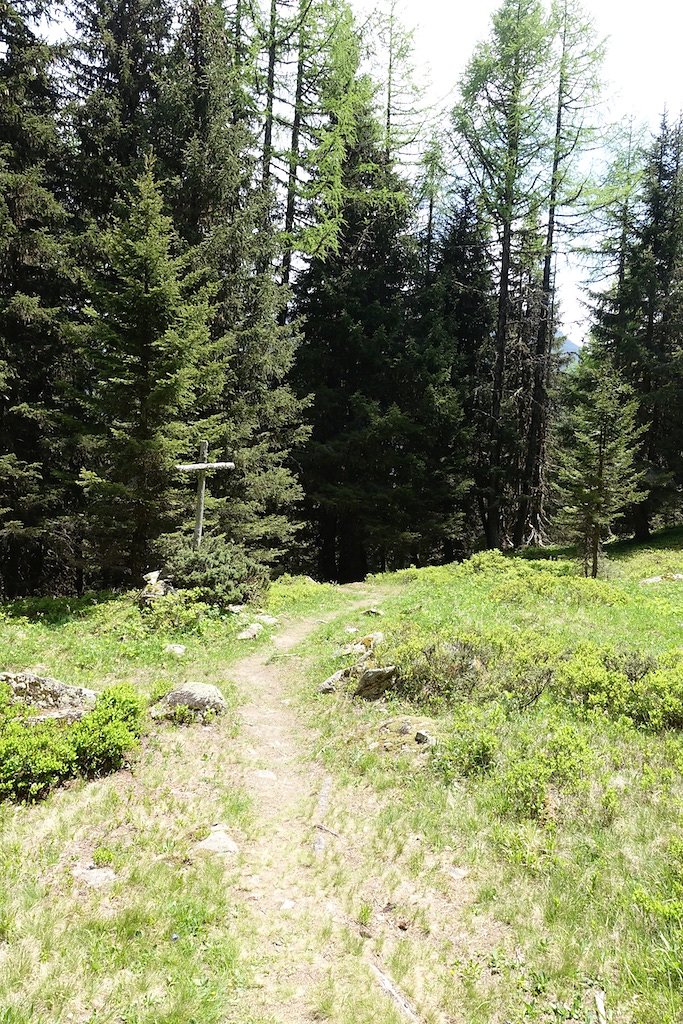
{"x":239,"y":223}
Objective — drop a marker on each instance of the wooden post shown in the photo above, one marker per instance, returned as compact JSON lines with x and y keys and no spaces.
{"x":201,"y":468}
{"x":201,"y":494}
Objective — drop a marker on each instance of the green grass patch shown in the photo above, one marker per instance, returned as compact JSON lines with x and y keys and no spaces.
{"x":557,"y":703}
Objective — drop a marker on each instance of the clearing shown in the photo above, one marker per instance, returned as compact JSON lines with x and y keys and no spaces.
{"x":528,"y":867}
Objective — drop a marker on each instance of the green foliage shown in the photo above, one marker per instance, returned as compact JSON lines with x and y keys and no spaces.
{"x":470,"y":748}
{"x":36,"y":757}
{"x":145,"y":333}
{"x":219,"y":573}
{"x":597,"y":478}
{"x":179,"y":612}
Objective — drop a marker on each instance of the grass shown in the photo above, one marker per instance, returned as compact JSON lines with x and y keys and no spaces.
{"x":564,"y":810}
{"x":529,"y":860}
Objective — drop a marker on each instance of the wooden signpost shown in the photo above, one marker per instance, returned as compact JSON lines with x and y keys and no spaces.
{"x":202,"y":468}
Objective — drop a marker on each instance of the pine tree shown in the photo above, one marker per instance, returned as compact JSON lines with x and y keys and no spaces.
{"x":383,"y":471}
{"x":144,"y":335}
{"x":37,"y":535}
{"x":118,"y":59}
{"x":638,"y":319}
{"x":248,"y":410}
{"x":596,"y":477}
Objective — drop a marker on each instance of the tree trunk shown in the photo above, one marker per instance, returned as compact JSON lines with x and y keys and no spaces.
{"x":492,"y":525}
{"x":294,"y":157}
{"x":270,"y":96}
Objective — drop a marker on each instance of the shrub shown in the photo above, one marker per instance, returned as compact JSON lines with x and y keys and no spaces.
{"x":441,"y":671}
{"x":36,"y":757}
{"x":471,"y":747}
{"x":180,"y":612}
{"x":220,"y":573}
{"x":33,"y":759}
{"x":103,"y":737}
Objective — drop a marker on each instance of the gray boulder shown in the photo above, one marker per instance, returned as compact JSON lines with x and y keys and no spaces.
{"x":330,"y":685}
{"x":201,"y":698}
{"x":374,"y":682}
{"x":51,"y":698}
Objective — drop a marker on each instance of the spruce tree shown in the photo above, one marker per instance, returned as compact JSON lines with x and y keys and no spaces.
{"x":118,"y":57}
{"x":38,"y":535}
{"x":247,"y":409}
{"x":599,"y":438}
{"x":383,"y":470}
{"x":638,"y":320}
{"x":144,"y":336}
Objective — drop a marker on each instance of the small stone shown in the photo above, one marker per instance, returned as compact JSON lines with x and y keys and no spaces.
{"x":287,"y":905}
{"x":251,"y":632}
{"x":236,"y":609}
{"x":218,"y":842}
{"x":351,"y":630}
{"x":175,"y":937}
{"x":424,"y":738}
{"x":457,"y":874}
{"x":267,"y":620}
{"x":94,"y":877}
{"x":330,"y":684}
{"x":373,"y":611}
{"x":358,"y":648}
{"x":374,"y":682}
{"x":198,"y":697}
{"x":177,"y":649}
{"x":262,"y":773}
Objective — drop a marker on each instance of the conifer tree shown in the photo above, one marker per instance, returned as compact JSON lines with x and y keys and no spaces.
{"x":383,"y":470}
{"x":247,"y":408}
{"x":144,"y":333}
{"x":37,"y":536}
{"x":597,"y":478}
{"x":639,"y":322}
{"x":502,"y":135}
{"x":118,"y":59}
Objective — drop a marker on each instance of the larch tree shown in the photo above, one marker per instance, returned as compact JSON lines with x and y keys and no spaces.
{"x":501,"y":129}
{"x":578,"y":60}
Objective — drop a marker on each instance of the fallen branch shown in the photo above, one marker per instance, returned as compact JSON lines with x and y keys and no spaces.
{"x":387,"y":985}
{"x":600,"y":1007}
{"x":330,"y":831}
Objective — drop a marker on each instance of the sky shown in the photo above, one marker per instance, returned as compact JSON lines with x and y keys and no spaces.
{"x":643,"y":73}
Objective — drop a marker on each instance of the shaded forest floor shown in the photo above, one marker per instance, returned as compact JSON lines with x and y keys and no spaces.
{"x":527,"y":867}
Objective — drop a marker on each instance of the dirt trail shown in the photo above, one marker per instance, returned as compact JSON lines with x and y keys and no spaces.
{"x":304,"y":881}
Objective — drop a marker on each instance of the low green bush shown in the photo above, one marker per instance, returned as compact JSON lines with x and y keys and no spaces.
{"x":472,"y":745}
{"x":219,"y":572}
{"x":35,"y":757}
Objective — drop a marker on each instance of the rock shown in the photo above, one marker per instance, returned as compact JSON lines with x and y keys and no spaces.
{"x":373,"y":611}
{"x":330,"y":685}
{"x":457,"y":874}
{"x":218,"y":842}
{"x":669,"y":577}
{"x":372,"y":640}
{"x":263,"y":773}
{"x":177,"y":649}
{"x":57,"y":700}
{"x":236,"y":609}
{"x":424,"y":738}
{"x":153,"y":588}
{"x":652,"y":579}
{"x":198,"y":697}
{"x":251,"y":632}
{"x":267,"y":620}
{"x":358,"y":648}
{"x":287,"y":905}
{"x":94,"y":877}
{"x":351,"y":630}
{"x":374,"y":682}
